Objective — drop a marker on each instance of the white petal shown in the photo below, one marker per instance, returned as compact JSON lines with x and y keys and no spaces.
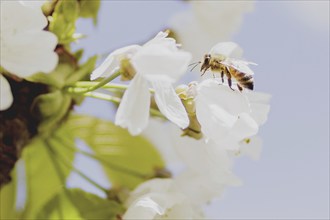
{"x":112,"y":62}
{"x":31,"y":53}
{"x":185,"y":211}
{"x":202,"y":188}
{"x":161,"y":38}
{"x":215,"y":121}
{"x":224,"y":114}
{"x":151,"y":186}
{"x":156,"y":61}
{"x":229,"y":49}
{"x":6,"y":97}
{"x":29,"y":19}
{"x":221,"y":95}
{"x":25,"y":47}
{"x":158,"y":133}
{"x":260,"y":107}
{"x":152,"y":198}
{"x":244,"y":127}
{"x":230,"y":137}
{"x":143,"y":208}
{"x":202,"y":157}
{"x":169,"y":103}
{"x":252,"y":148}
{"x":218,"y":108}
{"x":133,"y":111}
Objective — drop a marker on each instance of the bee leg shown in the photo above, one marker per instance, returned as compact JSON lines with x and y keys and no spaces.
{"x":239,"y":87}
{"x":222,"y":74}
{"x":205,"y":70}
{"x":229,"y":84}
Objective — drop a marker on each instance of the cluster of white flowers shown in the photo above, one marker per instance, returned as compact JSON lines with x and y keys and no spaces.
{"x":229,"y":121}
{"x":25,"y":47}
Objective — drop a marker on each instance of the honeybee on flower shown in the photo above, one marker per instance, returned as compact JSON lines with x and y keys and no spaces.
{"x":221,"y":59}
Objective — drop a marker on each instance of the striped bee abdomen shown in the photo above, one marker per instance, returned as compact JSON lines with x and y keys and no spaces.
{"x":243,"y":79}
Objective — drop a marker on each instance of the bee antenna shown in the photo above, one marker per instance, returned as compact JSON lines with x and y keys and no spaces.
{"x":196,"y":64}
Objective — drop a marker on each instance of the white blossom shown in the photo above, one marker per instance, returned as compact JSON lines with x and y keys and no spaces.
{"x":208,"y":22}
{"x":224,"y":115}
{"x":209,"y":169}
{"x":158,"y":64}
{"x":160,"y":199}
{"x":25,"y":47}
{"x":160,"y":134}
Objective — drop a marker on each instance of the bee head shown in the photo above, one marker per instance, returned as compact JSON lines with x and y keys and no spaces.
{"x":206,"y":62}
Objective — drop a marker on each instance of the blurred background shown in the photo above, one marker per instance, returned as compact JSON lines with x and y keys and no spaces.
{"x":290,"y":42}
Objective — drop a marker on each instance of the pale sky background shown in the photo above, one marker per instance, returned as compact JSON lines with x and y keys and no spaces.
{"x":290,"y":42}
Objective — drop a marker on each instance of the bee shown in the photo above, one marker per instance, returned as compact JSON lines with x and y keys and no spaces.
{"x":225,"y":65}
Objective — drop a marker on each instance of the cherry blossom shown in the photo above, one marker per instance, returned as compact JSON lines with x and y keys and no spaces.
{"x":158,"y":64}
{"x":25,"y":47}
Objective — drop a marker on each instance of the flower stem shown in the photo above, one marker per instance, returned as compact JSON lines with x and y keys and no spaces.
{"x":94,"y":86}
{"x":102,"y":96}
{"x":82,"y":84}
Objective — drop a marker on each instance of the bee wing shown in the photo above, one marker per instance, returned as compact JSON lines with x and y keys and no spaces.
{"x":240,"y":65}
{"x":228,"y":49}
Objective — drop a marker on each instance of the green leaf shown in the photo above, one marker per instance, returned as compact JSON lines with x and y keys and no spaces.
{"x":77,"y":204}
{"x":42,"y":176}
{"x":89,"y":9}
{"x":116,"y":146}
{"x":63,"y":21}
{"x":59,"y":207}
{"x":91,"y":206}
{"x":7,"y":199}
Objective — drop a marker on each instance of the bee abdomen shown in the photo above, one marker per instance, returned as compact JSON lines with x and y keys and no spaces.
{"x":248,"y":85}
{"x":245,"y":80}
